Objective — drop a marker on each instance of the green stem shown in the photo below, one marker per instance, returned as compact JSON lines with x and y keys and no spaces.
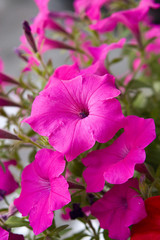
{"x":5,"y":200}
{"x":28,"y":140}
{"x":93,"y":229}
{"x":43,"y":65}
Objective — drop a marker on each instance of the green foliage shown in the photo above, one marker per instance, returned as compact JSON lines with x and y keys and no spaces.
{"x":14,"y":222}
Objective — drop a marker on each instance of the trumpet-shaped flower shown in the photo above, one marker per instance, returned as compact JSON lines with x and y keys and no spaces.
{"x":99,"y":54}
{"x":77,"y":112}
{"x":44,"y":189}
{"x":116,"y":163}
{"x":130,"y":18}
{"x":119,"y":208}
{"x":90,"y":7}
{"x":7,"y":182}
{"x":5,"y":235}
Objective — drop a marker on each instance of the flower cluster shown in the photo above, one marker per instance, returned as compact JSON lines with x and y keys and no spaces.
{"x":90,"y":128}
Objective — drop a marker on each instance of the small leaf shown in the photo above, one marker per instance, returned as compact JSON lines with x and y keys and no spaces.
{"x":135,"y":84}
{"x":14,"y":221}
{"x":59,"y":229}
{"x":105,"y":234}
{"x":76,"y":168}
{"x":149,"y":41}
{"x":3,"y":167}
{"x":77,"y":236}
{"x":116,"y":60}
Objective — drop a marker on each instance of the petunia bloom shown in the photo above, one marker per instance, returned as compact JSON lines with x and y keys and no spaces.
{"x":119,"y":208}
{"x":116,"y":163}
{"x":5,"y":235}
{"x":44,"y":189}
{"x":90,"y":7}
{"x":77,"y":112}
{"x":148,"y":228}
{"x":130,"y":18}
{"x":99,"y":54}
{"x":154,"y":46}
{"x":7,"y":182}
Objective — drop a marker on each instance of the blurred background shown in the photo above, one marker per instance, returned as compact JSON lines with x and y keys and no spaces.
{"x":12,"y":15}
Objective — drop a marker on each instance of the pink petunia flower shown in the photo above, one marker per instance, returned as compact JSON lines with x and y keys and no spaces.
{"x":90,"y":7}
{"x":7,"y":182}
{"x":130,"y":18}
{"x":44,"y":189}
{"x":95,"y":54}
{"x":5,"y":235}
{"x":154,"y":46}
{"x":119,"y":208}
{"x":99,"y":54}
{"x":77,"y":112}
{"x":45,"y":21}
{"x":116,"y":163}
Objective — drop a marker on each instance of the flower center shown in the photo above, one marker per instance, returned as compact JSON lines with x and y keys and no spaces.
{"x":124,"y":202}
{"x":83,"y":114}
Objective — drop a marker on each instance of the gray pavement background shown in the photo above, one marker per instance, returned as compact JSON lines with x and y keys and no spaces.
{"x":12,"y":15}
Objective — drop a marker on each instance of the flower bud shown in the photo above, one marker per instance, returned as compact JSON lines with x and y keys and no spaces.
{"x":29,"y":36}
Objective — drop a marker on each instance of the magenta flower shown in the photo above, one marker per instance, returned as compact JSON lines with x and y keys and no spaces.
{"x":130,"y":18}
{"x":43,"y":20}
{"x":65,"y":72}
{"x":154,"y":46}
{"x":99,"y":54}
{"x":77,"y":112}
{"x":90,"y":7}
{"x":44,"y":189}
{"x":7,"y":182}
{"x":119,"y":208}
{"x":116,"y":163}
{"x":46,"y":44}
{"x":5,"y":235}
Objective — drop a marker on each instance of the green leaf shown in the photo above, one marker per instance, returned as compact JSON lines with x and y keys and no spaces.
{"x":14,"y":221}
{"x":149,"y":41}
{"x":116,"y":60}
{"x":3,"y":167}
{"x":59,"y":229}
{"x":77,"y":236}
{"x":105,"y":234}
{"x":32,"y":155}
{"x":50,"y":67}
{"x":135,"y":84}
{"x":76,"y":168}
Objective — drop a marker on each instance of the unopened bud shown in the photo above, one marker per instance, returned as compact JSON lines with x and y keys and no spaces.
{"x":29,"y":36}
